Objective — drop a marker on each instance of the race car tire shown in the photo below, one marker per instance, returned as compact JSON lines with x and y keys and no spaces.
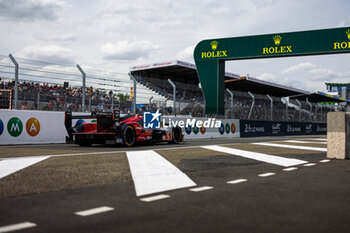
{"x":82,"y":142}
{"x":129,"y":135}
{"x":176,"y":135}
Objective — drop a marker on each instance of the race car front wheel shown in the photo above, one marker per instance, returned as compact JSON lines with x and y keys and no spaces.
{"x":129,"y":135}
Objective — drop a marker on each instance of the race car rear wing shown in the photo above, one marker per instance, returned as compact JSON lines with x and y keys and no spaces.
{"x":104,"y":120}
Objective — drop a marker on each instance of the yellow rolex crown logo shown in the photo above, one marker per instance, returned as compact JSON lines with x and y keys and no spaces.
{"x":214,"y":44}
{"x":277,"y":39}
{"x":348,"y":33}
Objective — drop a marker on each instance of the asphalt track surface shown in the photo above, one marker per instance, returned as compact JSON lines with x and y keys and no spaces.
{"x":313,"y":198}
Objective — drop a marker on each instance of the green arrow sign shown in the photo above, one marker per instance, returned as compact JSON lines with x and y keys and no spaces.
{"x":210,"y":55}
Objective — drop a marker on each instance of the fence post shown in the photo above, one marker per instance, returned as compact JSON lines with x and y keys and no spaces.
{"x":286,"y":99}
{"x":38,"y":108}
{"x":231,"y":105}
{"x":112,"y":102}
{"x":174,"y":95}
{"x":299,"y":109}
{"x":271,"y":106}
{"x":83,"y":87}
{"x":134,"y":97}
{"x":252,"y":106}
{"x":89,"y":102}
{"x":307,"y":101}
{"x":16,"y":78}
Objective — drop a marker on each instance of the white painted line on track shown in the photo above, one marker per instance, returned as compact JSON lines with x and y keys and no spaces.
{"x":153,"y":174}
{"x":304,"y":142}
{"x":325,"y":161}
{"x":93,"y":211}
{"x":200,"y":189}
{"x":291,"y":146}
{"x":16,"y":227}
{"x":316,"y":139}
{"x":267,"y":174}
{"x":290,"y":169}
{"x":9,"y":166}
{"x":154,"y":198}
{"x":236,"y":181}
{"x":309,"y":164}
{"x":277,"y":160}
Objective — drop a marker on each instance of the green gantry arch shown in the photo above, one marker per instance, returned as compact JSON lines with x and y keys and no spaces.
{"x":210,"y":55}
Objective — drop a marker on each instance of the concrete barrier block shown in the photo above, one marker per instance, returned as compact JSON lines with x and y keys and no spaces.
{"x":338,"y":137}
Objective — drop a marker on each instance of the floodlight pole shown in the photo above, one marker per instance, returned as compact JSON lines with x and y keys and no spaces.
{"x":252,"y":106}
{"x":174,"y":95}
{"x":271,"y":106}
{"x":83,"y":87}
{"x":299,"y":109}
{"x":230,"y":92}
{"x":16,"y":78}
{"x":134,"y":94}
{"x":307,"y":101}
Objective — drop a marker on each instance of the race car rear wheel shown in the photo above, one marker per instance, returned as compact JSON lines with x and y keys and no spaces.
{"x":129,"y":135}
{"x":83,"y":142}
{"x":176,"y":135}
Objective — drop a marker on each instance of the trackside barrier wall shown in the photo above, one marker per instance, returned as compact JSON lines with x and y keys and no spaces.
{"x":39,"y":127}
{"x":31,"y":127}
{"x":338,"y":135}
{"x":229,"y":128}
{"x":251,"y":128}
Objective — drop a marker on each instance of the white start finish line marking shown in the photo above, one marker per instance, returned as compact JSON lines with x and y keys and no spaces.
{"x":153,"y":174}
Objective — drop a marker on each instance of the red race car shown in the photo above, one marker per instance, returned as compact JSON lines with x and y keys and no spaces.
{"x":111,"y":128}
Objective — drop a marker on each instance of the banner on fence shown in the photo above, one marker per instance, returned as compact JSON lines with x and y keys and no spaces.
{"x":250,"y":128}
{"x":229,"y":128}
{"x":31,"y":127}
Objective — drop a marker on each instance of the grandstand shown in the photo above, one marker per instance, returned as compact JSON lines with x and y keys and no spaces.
{"x":57,"y":87}
{"x":252,"y":98}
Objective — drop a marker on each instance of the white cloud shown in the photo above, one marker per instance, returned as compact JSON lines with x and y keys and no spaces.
{"x":52,"y":53}
{"x":268,"y":77}
{"x":305,"y":66}
{"x":186,"y":54}
{"x":128,"y":50}
{"x":30,"y":9}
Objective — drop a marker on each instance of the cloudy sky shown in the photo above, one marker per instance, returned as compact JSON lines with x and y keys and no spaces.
{"x":115,"y":35}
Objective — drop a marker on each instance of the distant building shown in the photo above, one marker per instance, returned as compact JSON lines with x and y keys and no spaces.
{"x":340,"y":89}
